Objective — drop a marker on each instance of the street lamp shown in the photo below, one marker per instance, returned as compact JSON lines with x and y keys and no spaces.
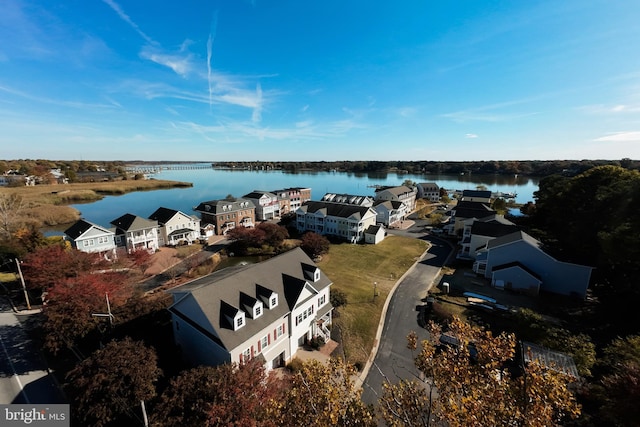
{"x":375,"y":290}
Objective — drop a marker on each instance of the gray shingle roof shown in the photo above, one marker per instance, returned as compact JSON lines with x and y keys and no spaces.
{"x":81,"y":227}
{"x":340,"y":210}
{"x":163,"y":215}
{"x":130,"y":222}
{"x":217,"y":206}
{"x":219,"y":295}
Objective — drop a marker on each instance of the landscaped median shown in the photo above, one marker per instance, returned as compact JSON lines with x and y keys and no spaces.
{"x":358,"y":271}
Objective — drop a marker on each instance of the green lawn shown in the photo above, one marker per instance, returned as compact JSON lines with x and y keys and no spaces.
{"x":354,"y":269}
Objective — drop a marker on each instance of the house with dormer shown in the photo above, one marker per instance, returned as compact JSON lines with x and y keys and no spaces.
{"x":344,"y":221}
{"x":266,"y":310}
{"x":134,"y":233}
{"x":349,"y":199}
{"x":402,"y":193}
{"x":477,"y":232}
{"x":227,"y":214}
{"x":91,"y":238}
{"x":290,"y":199}
{"x":175,"y":227}
{"x":266,"y":203}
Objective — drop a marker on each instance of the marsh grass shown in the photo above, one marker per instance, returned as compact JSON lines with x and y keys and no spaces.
{"x":353,"y":270}
{"x":46,"y":205}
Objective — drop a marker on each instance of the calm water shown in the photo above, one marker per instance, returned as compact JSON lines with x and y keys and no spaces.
{"x":211,"y":184}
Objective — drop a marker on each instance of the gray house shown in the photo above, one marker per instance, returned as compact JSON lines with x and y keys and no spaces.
{"x":518,"y":261}
{"x":88,"y":237}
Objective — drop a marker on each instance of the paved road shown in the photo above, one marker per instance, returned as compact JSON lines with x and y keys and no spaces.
{"x":23,"y":375}
{"x":394,"y":361}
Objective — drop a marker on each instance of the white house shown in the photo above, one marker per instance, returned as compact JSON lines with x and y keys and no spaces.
{"x":389,"y":212}
{"x":429,"y":191}
{"x":175,"y":227}
{"x":374,"y":234}
{"x":267,"y":204}
{"x":349,"y":199}
{"x":134,"y":233}
{"x":267,"y":310}
{"x":347,"y":222}
{"x":477,"y":232}
{"x":517,"y":261}
{"x":401,"y":193}
{"x":88,"y":237}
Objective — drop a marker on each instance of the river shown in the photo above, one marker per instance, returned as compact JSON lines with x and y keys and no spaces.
{"x":212,"y":184}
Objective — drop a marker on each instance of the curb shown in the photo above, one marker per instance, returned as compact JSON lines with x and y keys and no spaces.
{"x":374,"y":351}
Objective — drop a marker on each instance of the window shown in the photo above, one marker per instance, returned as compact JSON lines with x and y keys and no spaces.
{"x":264,"y":342}
{"x":274,"y":301}
{"x":322,"y":300}
{"x":246,"y":355}
{"x":257,"y":310}
{"x":239,"y":322}
{"x":280,"y":331}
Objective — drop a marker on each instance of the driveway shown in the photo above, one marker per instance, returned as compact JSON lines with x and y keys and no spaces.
{"x":393,"y":360}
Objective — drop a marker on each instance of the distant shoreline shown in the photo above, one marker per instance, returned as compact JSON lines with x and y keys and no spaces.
{"x":48,"y":205}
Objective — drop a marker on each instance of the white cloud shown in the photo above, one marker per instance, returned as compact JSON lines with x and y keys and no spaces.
{"x":304,"y":108}
{"x":179,"y":64}
{"x":471,"y":135}
{"x":117,"y":9}
{"x":620,"y":137}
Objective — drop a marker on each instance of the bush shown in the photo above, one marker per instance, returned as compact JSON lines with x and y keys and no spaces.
{"x":337,"y":298}
{"x":295,"y":365}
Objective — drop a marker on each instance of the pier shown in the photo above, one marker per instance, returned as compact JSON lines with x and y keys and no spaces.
{"x":151,"y":169}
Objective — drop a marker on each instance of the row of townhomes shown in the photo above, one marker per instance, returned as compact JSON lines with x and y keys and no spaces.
{"x":506,"y":255}
{"x":165,"y":227}
{"x":266,"y":310}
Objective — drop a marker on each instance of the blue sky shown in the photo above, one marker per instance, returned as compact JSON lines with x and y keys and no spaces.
{"x":319,"y":80}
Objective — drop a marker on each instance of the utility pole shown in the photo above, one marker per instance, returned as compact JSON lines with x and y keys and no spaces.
{"x":108,"y":313}
{"x":24,"y":288}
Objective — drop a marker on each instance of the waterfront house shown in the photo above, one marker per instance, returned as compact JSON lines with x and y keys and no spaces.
{"x":135,"y":233}
{"x":429,"y":191}
{"x":517,"y":261}
{"x":290,"y":199}
{"x":266,"y":310}
{"x":348,"y":199}
{"x":389,"y":212}
{"x":226,"y":214}
{"x":266,"y":203}
{"x":346,"y":222}
{"x":91,"y":238}
{"x":401,"y":193}
{"x":175,"y":228}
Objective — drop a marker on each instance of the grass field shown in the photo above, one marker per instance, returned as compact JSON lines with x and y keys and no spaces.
{"x":354,"y":269}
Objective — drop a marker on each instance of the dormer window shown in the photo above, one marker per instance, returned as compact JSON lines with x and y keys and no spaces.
{"x":273,"y":301}
{"x":257,"y":310}
{"x":238,"y":321}
{"x":316,"y":275}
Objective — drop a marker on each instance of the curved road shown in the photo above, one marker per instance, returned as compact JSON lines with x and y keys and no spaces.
{"x":393,"y":360}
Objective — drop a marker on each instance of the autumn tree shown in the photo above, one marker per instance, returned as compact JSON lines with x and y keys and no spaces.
{"x":225,"y":395}
{"x":323,"y":395}
{"x":49,"y":265}
{"x":70,"y":304}
{"x":474,"y":382}
{"x":110,"y":384}
{"x":314,"y":244}
{"x":274,"y":234}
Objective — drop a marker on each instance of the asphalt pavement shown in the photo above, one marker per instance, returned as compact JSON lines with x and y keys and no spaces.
{"x":24,"y":377}
{"x":393,"y":360}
